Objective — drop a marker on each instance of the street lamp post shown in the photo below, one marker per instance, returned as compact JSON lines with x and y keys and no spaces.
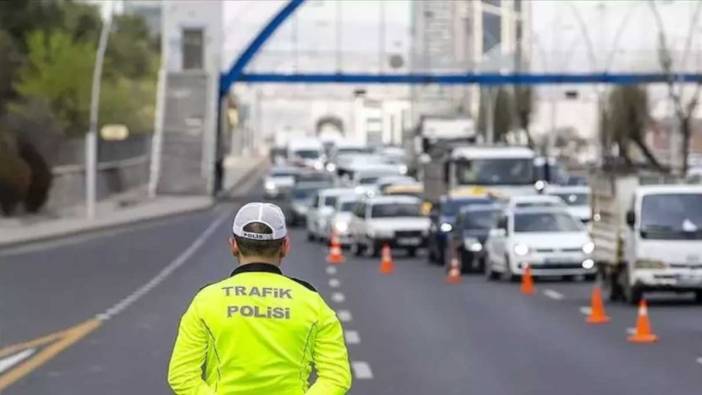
{"x":91,"y":140}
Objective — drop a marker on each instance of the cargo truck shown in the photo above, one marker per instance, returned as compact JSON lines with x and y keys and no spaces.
{"x":647,"y":234}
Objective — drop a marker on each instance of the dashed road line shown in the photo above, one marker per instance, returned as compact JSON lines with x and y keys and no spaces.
{"x":338,"y":297}
{"x":352,"y":337}
{"x":331,"y":270}
{"x":344,"y":315}
{"x":555,"y":295}
{"x":585,"y":310}
{"x":361,"y":370}
{"x":334,"y":283}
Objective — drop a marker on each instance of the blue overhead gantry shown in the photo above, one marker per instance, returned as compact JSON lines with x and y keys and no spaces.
{"x":237,"y":74}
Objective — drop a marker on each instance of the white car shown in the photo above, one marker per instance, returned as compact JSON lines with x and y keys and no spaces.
{"x":576,"y":197}
{"x":524,"y":201}
{"x":319,"y":213}
{"x":340,"y":220}
{"x":364,"y":179}
{"x":279,"y":181}
{"x":550,"y":240}
{"x":393,"y":220}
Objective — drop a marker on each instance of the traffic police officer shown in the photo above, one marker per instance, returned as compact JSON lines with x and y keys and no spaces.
{"x":258,"y":331}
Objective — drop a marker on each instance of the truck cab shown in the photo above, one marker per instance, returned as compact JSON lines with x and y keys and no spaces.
{"x":501,"y":171}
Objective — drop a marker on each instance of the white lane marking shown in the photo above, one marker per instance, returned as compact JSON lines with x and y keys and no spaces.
{"x":338,"y":297}
{"x":699,"y":360}
{"x":585,"y":310}
{"x":555,"y":295}
{"x":344,"y":315}
{"x":352,"y":337}
{"x":163,"y":274}
{"x":331,"y":270}
{"x":361,"y":370}
{"x":334,"y":283}
{"x":8,"y":362}
{"x":630,"y":331}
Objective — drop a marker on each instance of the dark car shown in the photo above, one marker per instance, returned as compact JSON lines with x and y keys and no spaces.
{"x":469,"y":233}
{"x":300,"y":199}
{"x":443,"y":216}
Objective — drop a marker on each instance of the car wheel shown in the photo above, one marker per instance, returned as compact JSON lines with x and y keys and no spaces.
{"x":632,"y":294}
{"x":490,"y":275}
{"x":310,"y":236}
{"x":431,"y":256}
{"x":698,"y":297}
{"x":467,"y":262}
{"x":356,"y":248}
{"x":412,"y":251}
{"x":509,"y":275}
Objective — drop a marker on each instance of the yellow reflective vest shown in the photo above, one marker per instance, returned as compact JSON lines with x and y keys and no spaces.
{"x":259,"y":332}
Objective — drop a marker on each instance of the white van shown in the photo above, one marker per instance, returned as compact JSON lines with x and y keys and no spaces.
{"x":307,"y":153}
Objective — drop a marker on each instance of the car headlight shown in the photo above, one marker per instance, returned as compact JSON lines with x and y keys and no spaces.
{"x":341,"y":227}
{"x":403,"y":169}
{"x":588,"y":264}
{"x":588,"y":247}
{"x":318,"y":165}
{"x":331,"y":167}
{"x":270,"y":186}
{"x":472,"y":245}
{"x":446,"y":227}
{"x":521,"y":249}
{"x":649,"y":264}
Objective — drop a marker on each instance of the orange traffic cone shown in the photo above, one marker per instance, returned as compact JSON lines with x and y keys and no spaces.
{"x":643,"y":332}
{"x":386,"y":264}
{"x":335,"y":256}
{"x":527,"y":282}
{"x":597,"y":311}
{"x":454,"y":273}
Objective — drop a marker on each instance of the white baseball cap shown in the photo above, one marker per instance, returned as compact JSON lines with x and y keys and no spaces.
{"x":265,"y":213}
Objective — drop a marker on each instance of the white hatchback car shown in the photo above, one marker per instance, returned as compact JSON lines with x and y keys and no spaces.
{"x":393,"y":220}
{"x":550,"y":240}
{"x":321,"y":210}
{"x":576,"y":197}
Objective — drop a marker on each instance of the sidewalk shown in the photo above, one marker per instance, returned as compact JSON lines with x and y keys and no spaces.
{"x":14,"y":231}
{"x":122,"y":209}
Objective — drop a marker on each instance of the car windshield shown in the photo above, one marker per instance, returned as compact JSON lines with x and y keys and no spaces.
{"x":307,"y":154}
{"x":482,"y":220}
{"x":574,"y":199}
{"x":671,"y":216}
{"x":537,"y":204}
{"x":304,"y":193}
{"x":546,"y":222}
{"x":330,"y":201}
{"x":283,"y":173}
{"x":367,"y":180}
{"x":450,"y":208}
{"x":347,"y":207}
{"x":495,"y":172}
{"x":353,"y":150}
{"x":386,"y":210}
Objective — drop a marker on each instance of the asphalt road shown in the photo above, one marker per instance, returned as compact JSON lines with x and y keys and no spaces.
{"x":408,"y":333}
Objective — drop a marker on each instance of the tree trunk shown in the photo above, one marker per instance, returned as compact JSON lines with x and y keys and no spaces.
{"x":649,"y":155}
{"x":685,"y":128}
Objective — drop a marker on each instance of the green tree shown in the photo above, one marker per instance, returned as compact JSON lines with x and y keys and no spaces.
{"x":58,"y":70}
{"x":500,"y":102}
{"x":523,"y":107}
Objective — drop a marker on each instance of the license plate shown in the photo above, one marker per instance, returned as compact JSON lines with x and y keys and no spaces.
{"x":410,"y":241}
{"x":560,"y":260}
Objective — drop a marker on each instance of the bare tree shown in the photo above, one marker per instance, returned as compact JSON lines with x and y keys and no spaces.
{"x":684,"y":108}
{"x":523,"y":105}
{"x":626,"y":120}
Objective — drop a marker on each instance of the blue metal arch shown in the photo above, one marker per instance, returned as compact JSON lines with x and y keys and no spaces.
{"x":236,"y":72}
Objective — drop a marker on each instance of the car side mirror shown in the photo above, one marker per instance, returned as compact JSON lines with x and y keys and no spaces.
{"x":630,"y":219}
{"x":497,"y":232}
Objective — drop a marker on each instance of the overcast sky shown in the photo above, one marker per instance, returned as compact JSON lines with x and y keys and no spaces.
{"x":559,"y":28}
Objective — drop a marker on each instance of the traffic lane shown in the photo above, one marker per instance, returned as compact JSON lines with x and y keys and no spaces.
{"x":423,"y":336}
{"x":675,"y":318}
{"x":130,"y":352}
{"x":44,"y":290}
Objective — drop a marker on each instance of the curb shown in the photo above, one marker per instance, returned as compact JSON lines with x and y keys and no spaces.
{"x":104,"y":227}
